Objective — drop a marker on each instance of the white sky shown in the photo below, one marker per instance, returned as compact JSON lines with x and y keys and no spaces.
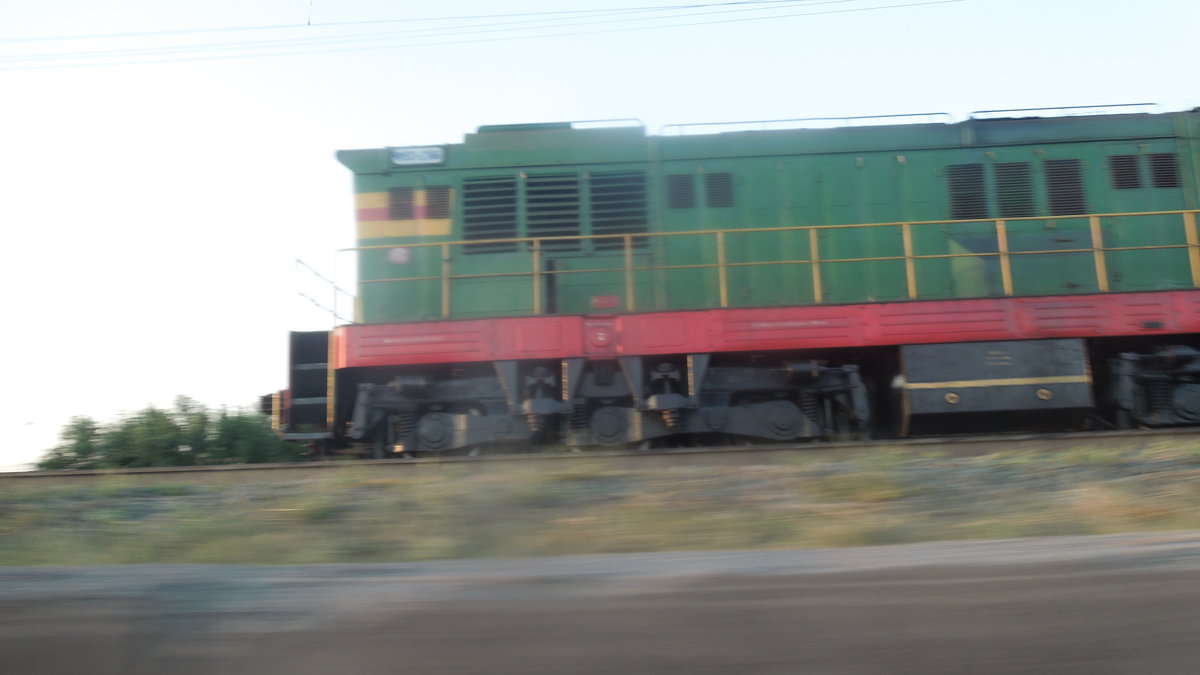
{"x":152,"y":211}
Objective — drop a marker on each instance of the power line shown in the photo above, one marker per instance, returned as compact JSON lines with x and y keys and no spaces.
{"x":343,"y":24}
{"x":521,"y":28}
{"x":550,"y":20}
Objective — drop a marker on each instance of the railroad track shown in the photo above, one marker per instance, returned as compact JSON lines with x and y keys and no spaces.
{"x":731,"y":455}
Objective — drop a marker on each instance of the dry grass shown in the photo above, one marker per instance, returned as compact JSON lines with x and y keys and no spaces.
{"x":355,"y":515}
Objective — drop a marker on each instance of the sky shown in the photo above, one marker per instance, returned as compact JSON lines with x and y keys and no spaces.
{"x":164,"y":163}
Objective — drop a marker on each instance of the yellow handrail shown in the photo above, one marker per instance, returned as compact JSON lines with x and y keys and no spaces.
{"x":537,"y":247}
{"x":1189,"y":226}
{"x":910,"y":264}
{"x":722,"y":270}
{"x":1098,"y":253}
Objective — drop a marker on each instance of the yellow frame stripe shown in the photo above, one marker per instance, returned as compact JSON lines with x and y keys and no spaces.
{"x":379,"y":229}
{"x":371,"y":200}
{"x":1000,"y":382}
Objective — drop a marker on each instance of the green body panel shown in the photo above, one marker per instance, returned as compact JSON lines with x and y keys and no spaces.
{"x":1031,"y":173}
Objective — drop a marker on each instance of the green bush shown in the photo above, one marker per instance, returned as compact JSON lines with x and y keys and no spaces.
{"x":187,"y":435}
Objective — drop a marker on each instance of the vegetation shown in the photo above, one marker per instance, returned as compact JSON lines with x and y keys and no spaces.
{"x":187,"y":435}
{"x":372,"y":513}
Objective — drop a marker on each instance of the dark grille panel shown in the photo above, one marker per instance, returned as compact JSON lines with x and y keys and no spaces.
{"x":1014,"y":190}
{"x":681,"y":191}
{"x":437,"y":201}
{"x":1164,"y":169}
{"x":618,"y":207}
{"x":968,"y":196}
{"x":1064,"y":183}
{"x":400,"y":203}
{"x":552,"y":209}
{"x":1124,"y":171}
{"x":490,"y":212}
{"x":718,"y":189}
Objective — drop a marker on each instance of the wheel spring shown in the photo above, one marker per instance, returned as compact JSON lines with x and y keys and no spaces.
{"x":580,"y":416}
{"x":672,"y":418}
{"x":1158,"y":396}
{"x":402,"y":425}
{"x":811,"y":408}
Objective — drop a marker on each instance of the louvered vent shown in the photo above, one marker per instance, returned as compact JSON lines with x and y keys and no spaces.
{"x":490,"y":212}
{"x":437,"y":201}
{"x":1164,"y":169}
{"x":681,"y":191}
{"x":1014,"y":189}
{"x":1124,"y":171}
{"x":718,"y":189}
{"x":1064,"y":183}
{"x":618,"y":207}
{"x":968,"y":197}
{"x":552,"y":209}
{"x":400,"y":203}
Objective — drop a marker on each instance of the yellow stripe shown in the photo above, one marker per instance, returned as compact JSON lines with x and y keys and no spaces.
{"x":371,"y":200}
{"x":1000,"y":382}
{"x":381,"y":229}
{"x":381,"y":200}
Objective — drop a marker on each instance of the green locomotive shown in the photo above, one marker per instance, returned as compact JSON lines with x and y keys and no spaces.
{"x":582,"y":192}
{"x":856,"y":246}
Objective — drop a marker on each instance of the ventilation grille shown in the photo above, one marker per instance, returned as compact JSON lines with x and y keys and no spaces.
{"x":681,"y":191}
{"x":1064,"y":184}
{"x":968,"y":197}
{"x":490,"y":212}
{"x":1014,"y":189}
{"x":718,"y":189}
{"x":1164,"y":170}
{"x":401,"y":203}
{"x":618,"y":207}
{"x":552,"y":209}
{"x":1124,"y":170}
{"x":437,"y":201}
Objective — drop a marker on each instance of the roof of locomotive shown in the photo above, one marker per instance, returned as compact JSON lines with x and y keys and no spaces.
{"x":565,"y":143}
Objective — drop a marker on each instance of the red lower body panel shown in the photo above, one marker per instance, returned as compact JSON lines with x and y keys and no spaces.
{"x":766,"y":329}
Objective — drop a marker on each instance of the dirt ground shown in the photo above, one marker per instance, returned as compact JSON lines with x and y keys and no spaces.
{"x":1100,"y":604}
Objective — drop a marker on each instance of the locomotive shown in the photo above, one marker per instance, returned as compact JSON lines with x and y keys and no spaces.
{"x":585,"y":285}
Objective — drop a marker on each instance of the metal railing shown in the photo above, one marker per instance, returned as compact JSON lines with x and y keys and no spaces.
{"x":634,"y":244}
{"x":335,"y":294}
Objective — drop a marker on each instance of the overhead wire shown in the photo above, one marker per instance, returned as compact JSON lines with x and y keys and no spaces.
{"x":434,"y":32}
{"x":417,"y":19}
{"x":420,"y":37}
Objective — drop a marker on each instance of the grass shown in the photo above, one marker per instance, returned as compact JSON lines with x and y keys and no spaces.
{"x":357,"y":515}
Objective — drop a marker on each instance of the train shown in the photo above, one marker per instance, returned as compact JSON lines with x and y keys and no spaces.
{"x":584,"y":285}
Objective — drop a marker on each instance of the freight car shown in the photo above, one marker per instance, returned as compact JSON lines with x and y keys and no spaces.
{"x":584,"y":284}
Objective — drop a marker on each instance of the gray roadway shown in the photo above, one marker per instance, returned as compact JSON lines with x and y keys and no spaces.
{"x":1116,"y":604}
